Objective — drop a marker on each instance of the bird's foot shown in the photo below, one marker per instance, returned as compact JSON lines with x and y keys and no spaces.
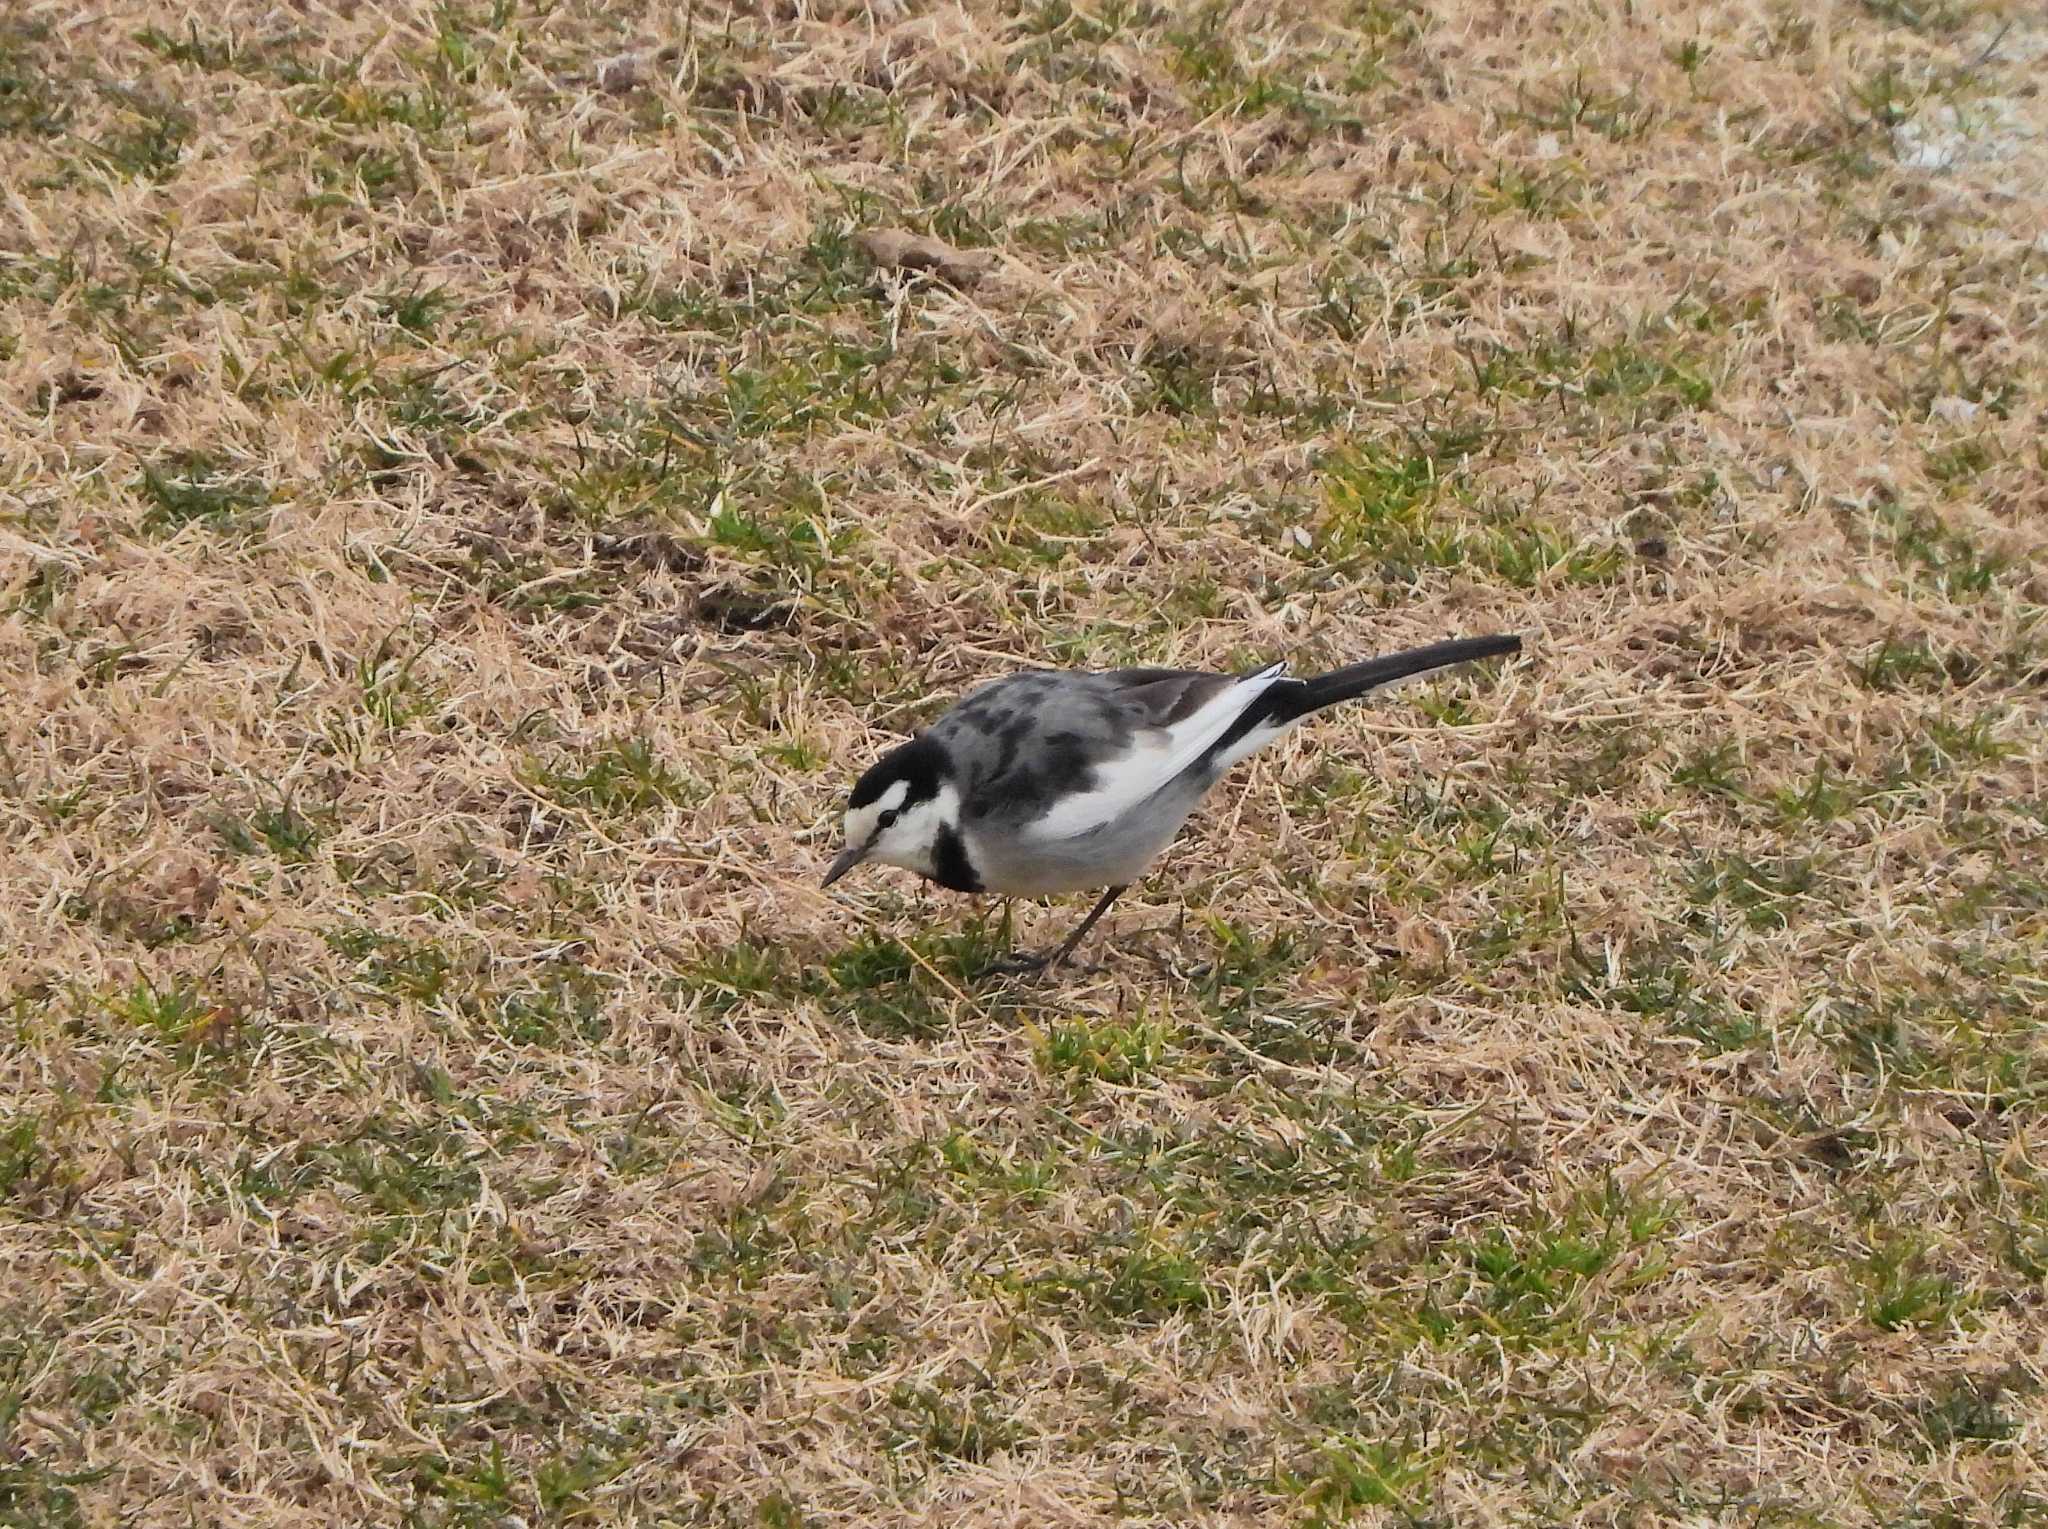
{"x":1035,"y":964}
{"x":1021,"y":964}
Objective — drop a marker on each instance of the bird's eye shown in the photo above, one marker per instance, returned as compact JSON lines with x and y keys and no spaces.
{"x":886,"y":818}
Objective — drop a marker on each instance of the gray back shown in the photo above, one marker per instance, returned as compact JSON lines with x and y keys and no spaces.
{"x":1024,"y":742}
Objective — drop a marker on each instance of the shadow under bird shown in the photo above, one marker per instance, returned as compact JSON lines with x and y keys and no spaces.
{"x":1051,"y":781}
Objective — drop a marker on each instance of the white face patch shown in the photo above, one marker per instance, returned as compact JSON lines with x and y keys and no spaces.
{"x":911,"y":833}
{"x":862,"y":821}
{"x":911,"y":840}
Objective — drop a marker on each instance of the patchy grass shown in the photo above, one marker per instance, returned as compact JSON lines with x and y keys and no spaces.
{"x":471,"y":506}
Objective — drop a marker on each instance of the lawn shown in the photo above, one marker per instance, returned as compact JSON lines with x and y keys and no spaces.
{"x":477,"y":482}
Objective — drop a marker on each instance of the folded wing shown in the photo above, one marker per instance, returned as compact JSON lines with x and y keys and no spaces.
{"x":1189,"y":714}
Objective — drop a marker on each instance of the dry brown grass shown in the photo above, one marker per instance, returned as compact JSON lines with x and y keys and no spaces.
{"x":467,"y":507}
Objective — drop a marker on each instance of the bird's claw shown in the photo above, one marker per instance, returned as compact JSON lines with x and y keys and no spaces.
{"x":1037,"y":964}
{"x":1025,"y":962}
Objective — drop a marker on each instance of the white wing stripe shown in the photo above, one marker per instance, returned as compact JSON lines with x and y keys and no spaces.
{"x":1130,"y":780}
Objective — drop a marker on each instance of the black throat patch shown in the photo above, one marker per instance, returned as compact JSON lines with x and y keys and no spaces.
{"x":950,"y":865}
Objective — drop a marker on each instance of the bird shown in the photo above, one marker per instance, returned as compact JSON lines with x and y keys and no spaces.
{"x":1052,"y":781}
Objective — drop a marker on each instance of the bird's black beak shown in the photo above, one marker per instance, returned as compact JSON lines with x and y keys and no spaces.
{"x":845,"y":861}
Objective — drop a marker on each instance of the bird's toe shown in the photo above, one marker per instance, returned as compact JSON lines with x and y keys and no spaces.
{"x":1021,"y":964}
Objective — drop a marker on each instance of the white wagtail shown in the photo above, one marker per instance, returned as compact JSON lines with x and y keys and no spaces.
{"x":1050,"y":781}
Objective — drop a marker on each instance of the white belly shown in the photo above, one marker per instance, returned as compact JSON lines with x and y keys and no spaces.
{"x":1115,"y":855}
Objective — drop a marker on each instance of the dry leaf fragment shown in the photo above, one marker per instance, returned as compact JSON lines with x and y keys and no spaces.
{"x":896,"y":249}
{"x":216,"y":1027}
{"x":1421,"y":943}
{"x":190,"y":892}
{"x":522,"y":888}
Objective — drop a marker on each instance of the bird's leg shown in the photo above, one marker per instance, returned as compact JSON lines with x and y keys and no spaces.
{"x":1046,"y":961}
{"x":1087,"y":924}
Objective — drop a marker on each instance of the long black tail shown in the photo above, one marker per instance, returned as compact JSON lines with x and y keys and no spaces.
{"x":1285,"y":700}
{"x":1356,"y":679}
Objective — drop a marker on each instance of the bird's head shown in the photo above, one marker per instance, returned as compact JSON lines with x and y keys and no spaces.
{"x":898,"y":810}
